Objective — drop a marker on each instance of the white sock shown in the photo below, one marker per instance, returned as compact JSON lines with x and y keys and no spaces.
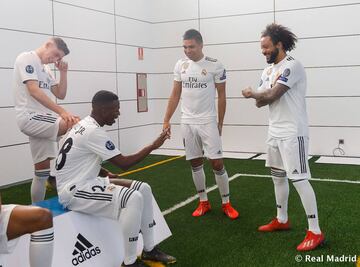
{"x":199,"y":181}
{"x":147,"y":218}
{"x":41,"y":248}
{"x":281,"y":188}
{"x":38,"y":185}
{"x":222,"y":181}
{"x":130,"y":218}
{"x":308,"y":200}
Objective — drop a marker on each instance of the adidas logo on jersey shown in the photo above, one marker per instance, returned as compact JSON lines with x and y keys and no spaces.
{"x":84,"y":250}
{"x":295,"y":172}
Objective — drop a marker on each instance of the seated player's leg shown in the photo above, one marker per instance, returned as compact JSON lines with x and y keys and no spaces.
{"x":150,"y":252}
{"x":194,"y":153}
{"x":281,"y":188}
{"x":213,"y":150}
{"x":37,"y":222}
{"x":295,"y":153}
{"x":101,"y":198}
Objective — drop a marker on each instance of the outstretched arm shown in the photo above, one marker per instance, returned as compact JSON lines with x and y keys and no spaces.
{"x":125,"y":162}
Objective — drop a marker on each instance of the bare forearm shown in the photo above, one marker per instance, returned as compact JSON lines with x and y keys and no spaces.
{"x":60,"y":89}
{"x":62,"y":86}
{"x":125,"y":162}
{"x":221,"y":110}
{"x":171,"y":107}
{"x":46,"y":101}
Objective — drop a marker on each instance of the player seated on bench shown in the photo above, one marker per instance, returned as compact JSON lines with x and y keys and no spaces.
{"x":17,"y":220}
{"x":85,"y":187}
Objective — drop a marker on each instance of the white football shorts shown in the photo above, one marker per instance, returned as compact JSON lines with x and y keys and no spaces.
{"x":42,"y":129}
{"x":97,"y":197}
{"x":202,"y":140}
{"x":290,"y":155}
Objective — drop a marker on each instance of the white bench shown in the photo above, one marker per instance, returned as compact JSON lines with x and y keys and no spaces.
{"x":84,"y":240}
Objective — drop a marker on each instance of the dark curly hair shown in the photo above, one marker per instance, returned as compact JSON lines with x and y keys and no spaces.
{"x":279,"y":33}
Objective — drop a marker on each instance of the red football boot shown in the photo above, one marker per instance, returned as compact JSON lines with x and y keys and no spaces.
{"x":274,"y":225}
{"x":311,"y":241}
{"x":230,"y":211}
{"x":204,"y":207}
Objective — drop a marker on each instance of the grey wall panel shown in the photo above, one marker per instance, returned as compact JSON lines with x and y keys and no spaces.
{"x":6,"y":90}
{"x":234,"y":29}
{"x":320,"y":22}
{"x":214,"y":8}
{"x":84,"y":23}
{"x":82,"y":86}
{"x":24,"y":15}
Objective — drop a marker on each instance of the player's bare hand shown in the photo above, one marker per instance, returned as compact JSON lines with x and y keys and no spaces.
{"x":247,"y":92}
{"x":167,"y":126}
{"x":69,"y":118}
{"x":61,"y":65}
{"x":161,"y":139}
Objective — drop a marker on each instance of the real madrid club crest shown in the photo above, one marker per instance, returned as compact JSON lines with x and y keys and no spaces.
{"x":204,"y":72}
{"x":184,"y":66}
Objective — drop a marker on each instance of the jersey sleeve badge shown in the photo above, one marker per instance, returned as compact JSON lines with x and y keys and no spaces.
{"x":110,"y":145}
{"x":210,"y":59}
{"x":29,"y":69}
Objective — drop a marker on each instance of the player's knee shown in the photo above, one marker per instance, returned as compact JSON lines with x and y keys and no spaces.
{"x":196,"y":162}
{"x":217,"y":165}
{"x":43,"y":219}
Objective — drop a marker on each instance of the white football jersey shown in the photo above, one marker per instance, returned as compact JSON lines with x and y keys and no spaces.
{"x":82,"y":151}
{"x":27,"y":67}
{"x":288,"y":116}
{"x":198,"y":88}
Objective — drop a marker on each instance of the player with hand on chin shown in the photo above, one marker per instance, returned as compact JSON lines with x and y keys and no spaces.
{"x":37,"y":114}
{"x":283,"y":88}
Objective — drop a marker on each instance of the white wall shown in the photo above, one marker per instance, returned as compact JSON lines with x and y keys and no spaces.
{"x":103,"y":37}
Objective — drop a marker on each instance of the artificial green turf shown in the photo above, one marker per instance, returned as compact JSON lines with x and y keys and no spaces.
{"x":214,"y":240}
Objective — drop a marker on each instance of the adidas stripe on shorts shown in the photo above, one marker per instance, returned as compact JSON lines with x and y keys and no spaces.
{"x":290,"y":155}
{"x":42,"y":129}
{"x":6,"y":246}
{"x":97,"y":197}
{"x":202,"y":140}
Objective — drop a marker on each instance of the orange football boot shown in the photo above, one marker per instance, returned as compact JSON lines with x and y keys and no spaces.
{"x":274,"y":225}
{"x":203,"y":207}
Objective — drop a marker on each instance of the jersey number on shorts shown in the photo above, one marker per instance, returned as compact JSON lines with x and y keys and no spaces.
{"x":61,"y":159}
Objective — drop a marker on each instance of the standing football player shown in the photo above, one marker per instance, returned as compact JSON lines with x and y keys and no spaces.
{"x":283,"y":88}
{"x":37,"y":114}
{"x":196,"y":80}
